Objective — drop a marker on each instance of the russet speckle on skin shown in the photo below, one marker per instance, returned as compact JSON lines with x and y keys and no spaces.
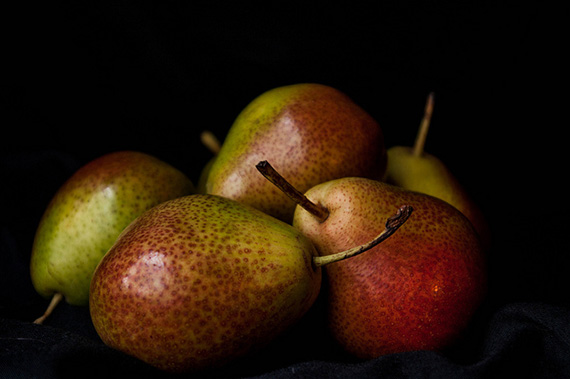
{"x":199,"y":280}
{"x":413,"y":291}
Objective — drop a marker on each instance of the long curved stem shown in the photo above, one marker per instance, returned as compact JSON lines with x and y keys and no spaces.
{"x":392,"y":224}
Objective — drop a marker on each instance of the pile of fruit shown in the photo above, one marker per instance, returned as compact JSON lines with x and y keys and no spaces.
{"x":301,"y":193}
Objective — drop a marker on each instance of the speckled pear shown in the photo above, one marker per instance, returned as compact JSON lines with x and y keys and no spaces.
{"x":201,"y":280}
{"x":417,"y":290}
{"x":88,"y":213}
{"x":414,"y":169}
{"x":310,"y":132}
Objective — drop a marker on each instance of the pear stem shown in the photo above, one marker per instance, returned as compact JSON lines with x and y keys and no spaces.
{"x":55,"y":300}
{"x":210,"y":141}
{"x":392,"y":224}
{"x":320,"y":212}
{"x":424,"y":126}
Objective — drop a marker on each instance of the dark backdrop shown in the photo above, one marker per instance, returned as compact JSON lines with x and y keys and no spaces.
{"x":81,"y":79}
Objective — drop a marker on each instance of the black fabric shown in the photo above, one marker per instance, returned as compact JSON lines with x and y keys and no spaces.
{"x":529,"y":340}
{"x":81,"y":79}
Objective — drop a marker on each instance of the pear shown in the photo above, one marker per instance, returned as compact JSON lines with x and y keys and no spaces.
{"x":199,"y":281}
{"x":414,"y":169}
{"x":417,"y":290}
{"x":88,"y":213}
{"x":310,"y":132}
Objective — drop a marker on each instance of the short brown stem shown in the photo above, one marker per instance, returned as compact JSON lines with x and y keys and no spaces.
{"x":320,"y":212}
{"x":392,"y":224}
{"x":55,"y":300}
{"x":210,"y":141}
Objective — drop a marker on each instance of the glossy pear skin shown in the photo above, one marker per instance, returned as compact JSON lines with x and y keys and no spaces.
{"x":309,"y":132}
{"x":198,"y":281}
{"x":88,"y":213}
{"x":416,"y":290}
{"x":428,"y":174}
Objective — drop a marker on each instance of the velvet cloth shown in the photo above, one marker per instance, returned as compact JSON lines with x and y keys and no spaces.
{"x":87,"y":78}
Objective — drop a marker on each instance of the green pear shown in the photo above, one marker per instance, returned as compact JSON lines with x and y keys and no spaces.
{"x":200,"y":280}
{"x":88,"y":213}
{"x":417,"y":290}
{"x":310,"y":132}
{"x":414,"y":169}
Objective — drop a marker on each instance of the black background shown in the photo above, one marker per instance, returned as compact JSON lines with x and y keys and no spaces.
{"x":81,"y":79}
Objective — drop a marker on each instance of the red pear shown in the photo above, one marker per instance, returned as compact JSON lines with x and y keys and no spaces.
{"x":417,"y":290}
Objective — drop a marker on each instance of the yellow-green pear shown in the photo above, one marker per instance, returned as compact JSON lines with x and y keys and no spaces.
{"x":87,"y":214}
{"x":310,"y":132}
{"x":414,"y":169}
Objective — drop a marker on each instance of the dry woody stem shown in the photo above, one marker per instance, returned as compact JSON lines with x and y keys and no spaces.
{"x":274,"y":177}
